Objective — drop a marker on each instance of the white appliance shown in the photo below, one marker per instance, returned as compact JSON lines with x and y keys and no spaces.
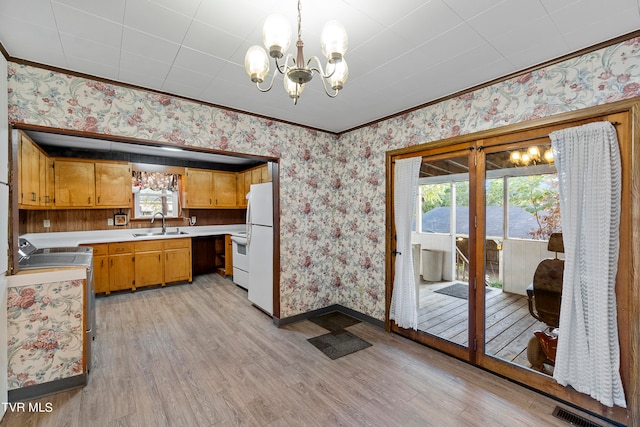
{"x":260,"y":245}
{"x":240,"y":256}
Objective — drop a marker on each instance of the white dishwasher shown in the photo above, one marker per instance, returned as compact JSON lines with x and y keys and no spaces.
{"x":240,"y":258}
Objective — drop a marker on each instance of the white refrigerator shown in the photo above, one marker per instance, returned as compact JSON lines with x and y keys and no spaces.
{"x":260,"y":245}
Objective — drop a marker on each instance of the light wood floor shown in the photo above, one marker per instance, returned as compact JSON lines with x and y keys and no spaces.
{"x":508,"y":323}
{"x":201,"y":355}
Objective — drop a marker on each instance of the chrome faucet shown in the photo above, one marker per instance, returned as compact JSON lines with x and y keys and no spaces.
{"x":164,"y":225}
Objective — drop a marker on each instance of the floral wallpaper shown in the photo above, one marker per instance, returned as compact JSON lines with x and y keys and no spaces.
{"x":332,"y":189}
{"x":45,"y":330}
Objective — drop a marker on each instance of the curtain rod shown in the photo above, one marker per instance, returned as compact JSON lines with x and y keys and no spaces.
{"x":533,"y":138}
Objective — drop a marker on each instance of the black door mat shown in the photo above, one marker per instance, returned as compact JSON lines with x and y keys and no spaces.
{"x":334,"y":321}
{"x":458,"y":290}
{"x":338,"y":343}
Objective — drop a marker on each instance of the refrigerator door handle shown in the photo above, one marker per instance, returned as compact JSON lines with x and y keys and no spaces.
{"x":248,"y":218}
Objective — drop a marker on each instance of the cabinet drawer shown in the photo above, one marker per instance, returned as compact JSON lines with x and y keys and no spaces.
{"x":177,"y":243}
{"x":120,"y":248}
{"x":149,"y":245}
{"x":99,"y":249}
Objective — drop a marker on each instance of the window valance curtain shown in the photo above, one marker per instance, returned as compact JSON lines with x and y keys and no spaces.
{"x":154,"y":181}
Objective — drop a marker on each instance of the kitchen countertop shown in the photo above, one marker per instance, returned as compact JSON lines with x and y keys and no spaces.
{"x":76,"y":238}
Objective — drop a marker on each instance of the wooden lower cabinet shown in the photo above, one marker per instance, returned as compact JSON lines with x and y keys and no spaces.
{"x":130,"y":265}
{"x":177,"y":260}
{"x":121,"y":266}
{"x":101,"y":268}
{"x":149,"y":263}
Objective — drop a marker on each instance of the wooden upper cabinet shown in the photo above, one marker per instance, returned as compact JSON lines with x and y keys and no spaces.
{"x":260,"y":175}
{"x":29,"y":164}
{"x":113,"y":184}
{"x":256,"y":176}
{"x":224,"y":189}
{"x":264,"y":174}
{"x":74,"y":183}
{"x":243,"y":182}
{"x":47,"y":181}
{"x":198,"y":188}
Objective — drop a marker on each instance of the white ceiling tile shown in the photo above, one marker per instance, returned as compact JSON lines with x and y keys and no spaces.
{"x":427,"y":22}
{"x":112,"y":10}
{"x":148,"y":46}
{"x":386,"y":13}
{"x":193,"y":60}
{"x":37,"y":12}
{"x":99,"y":69}
{"x":89,"y":50}
{"x":467,"y":9}
{"x":156,"y":20}
{"x":131,"y":63}
{"x":28,"y":41}
{"x":87,"y":26}
{"x":185,"y":7}
{"x":144,"y":79}
{"x":534,"y":36}
{"x":552,"y":6}
{"x":232,"y":17}
{"x":507,"y":17}
{"x":210,"y":40}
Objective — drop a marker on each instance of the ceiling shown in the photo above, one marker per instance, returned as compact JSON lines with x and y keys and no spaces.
{"x":401,"y":54}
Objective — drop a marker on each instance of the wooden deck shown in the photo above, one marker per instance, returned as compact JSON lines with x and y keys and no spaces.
{"x":508,"y":323}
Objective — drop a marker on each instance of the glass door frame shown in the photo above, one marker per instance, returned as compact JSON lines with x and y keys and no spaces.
{"x":437,"y":153}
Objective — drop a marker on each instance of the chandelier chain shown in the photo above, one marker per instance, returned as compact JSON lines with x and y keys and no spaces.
{"x":299,"y":21}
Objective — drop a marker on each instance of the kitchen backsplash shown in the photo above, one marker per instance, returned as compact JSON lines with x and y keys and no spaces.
{"x":32,"y":221}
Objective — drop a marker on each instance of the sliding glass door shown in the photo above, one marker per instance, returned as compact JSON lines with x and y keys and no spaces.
{"x":522,"y":211}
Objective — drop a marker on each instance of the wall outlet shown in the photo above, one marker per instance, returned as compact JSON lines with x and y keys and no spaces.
{"x":109,"y":221}
{"x":193,"y":220}
{"x":46,"y":223}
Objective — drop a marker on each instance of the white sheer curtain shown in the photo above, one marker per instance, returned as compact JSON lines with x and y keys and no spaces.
{"x":403,"y":300}
{"x":589,"y":174}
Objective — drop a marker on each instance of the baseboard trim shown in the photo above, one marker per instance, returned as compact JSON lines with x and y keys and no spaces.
{"x":329,"y":309}
{"x":45,"y":389}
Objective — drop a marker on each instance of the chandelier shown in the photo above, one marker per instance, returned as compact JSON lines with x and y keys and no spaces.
{"x":276,"y":36}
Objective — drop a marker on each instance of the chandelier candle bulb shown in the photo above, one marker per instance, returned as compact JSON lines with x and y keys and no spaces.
{"x":276,"y":35}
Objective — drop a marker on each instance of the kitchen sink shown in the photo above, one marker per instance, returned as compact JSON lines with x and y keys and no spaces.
{"x":160,"y":233}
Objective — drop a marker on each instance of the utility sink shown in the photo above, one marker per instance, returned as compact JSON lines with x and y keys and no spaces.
{"x":160,"y":233}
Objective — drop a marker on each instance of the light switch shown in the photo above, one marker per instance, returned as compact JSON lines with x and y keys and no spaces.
{"x":109,"y":221}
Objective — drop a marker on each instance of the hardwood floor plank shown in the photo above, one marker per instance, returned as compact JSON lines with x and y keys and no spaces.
{"x":202,"y":355}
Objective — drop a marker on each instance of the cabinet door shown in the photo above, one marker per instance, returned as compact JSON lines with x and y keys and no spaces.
{"x":247,"y":187}
{"x":198,"y":188}
{"x":240,"y":189}
{"x":228,"y":255}
{"x":264,"y":174}
{"x":29,"y":173}
{"x":74,"y":183}
{"x":224,"y":189}
{"x":113,"y":185}
{"x":47,"y":196}
{"x":121,"y":272}
{"x":177,"y":265}
{"x":149,"y":268}
{"x":256,"y":176}
{"x":101,"y":274}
